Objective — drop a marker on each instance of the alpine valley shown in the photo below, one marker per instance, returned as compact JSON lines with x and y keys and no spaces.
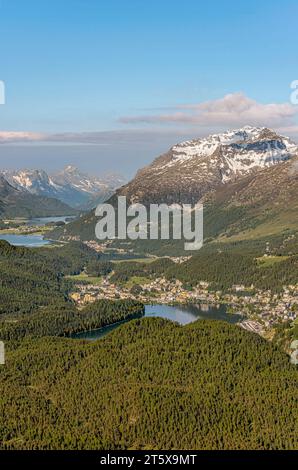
{"x":246,"y":178}
{"x":150,"y":318}
{"x":191,"y":350}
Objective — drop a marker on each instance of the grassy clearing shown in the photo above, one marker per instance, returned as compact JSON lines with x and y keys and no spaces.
{"x":137,"y":280}
{"x":266,"y":261}
{"x":136,"y":260}
{"x":83,"y":277}
{"x":25,"y":230}
{"x":277,"y":225}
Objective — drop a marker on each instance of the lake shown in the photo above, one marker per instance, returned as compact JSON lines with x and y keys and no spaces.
{"x":182,"y":314}
{"x":33,"y":240}
{"x":25,"y":240}
{"x":37,"y":222}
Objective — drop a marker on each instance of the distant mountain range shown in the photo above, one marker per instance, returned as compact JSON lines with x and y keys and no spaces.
{"x":21,"y":203}
{"x":70,"y":186}
{"x":247,"y":179}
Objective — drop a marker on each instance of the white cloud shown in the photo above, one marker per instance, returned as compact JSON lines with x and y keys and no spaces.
{"x":187,"y":121}
{"x":7,"y":137}
{"x":234,"y":109}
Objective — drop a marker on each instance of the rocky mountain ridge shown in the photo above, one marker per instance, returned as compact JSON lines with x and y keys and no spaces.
{"x":70,"y":186}
{"x":192,"y":168}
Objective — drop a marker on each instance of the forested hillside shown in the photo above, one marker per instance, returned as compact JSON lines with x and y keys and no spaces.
{"x":225,"y":264}
{"x":30,"y":278}
{"x":65,"y":319}
{"x":222,"y":270}
{"x":150,"y":384}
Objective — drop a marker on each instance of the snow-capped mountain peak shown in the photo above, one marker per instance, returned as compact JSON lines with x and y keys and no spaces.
{"x":240,"y":150}
{"x":69,"y":185}
{"x":71,"y":175}
{"x":35,"y":181}
{"x":192,"y":168}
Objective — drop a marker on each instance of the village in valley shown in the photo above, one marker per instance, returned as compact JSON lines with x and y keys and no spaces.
{"x":258,"y":310}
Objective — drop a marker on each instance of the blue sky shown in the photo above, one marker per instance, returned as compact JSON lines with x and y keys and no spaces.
{"x":141,"y":71}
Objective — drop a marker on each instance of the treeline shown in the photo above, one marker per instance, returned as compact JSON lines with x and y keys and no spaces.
{"x":64,"y":320}
{"x":152,"y":385}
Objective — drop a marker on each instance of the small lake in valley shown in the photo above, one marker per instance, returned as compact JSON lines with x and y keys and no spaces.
{"x":32,"y":240}
{"x":25,"y":240}
{"x":182,"y":314}
{"x":40,"y":221}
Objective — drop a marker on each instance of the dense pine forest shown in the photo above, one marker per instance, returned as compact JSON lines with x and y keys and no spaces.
{"x":64,"y":320}
{"x":150,"y":384}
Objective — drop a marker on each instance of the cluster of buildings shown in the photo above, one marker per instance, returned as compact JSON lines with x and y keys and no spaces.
{"x":159,"y":289}
{"x":262,"y":309}
{"x":266,"y":307}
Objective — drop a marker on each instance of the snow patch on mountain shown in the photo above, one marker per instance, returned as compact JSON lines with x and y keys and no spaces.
{"x":69,"y":185}
{"x":235,"y":152}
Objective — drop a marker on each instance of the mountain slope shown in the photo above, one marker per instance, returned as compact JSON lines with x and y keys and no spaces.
{"x":255,"y":189}
{"x":90,"y":190}
{"x":191,"y":169}
{"x":260,"y":204}
{"x":16,"y":203}
{"x":254,"y":207}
